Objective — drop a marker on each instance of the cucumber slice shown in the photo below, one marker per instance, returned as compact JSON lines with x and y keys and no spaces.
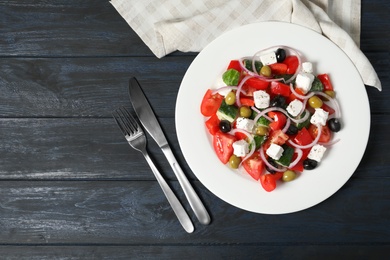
{"x":286,"y":157}
{"x":227,"y":112}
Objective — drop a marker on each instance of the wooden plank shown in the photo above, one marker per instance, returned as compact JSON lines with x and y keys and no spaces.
{"x":91,"y":28}
{"x":86,"y":87}
{"x":277,"y":251}
{"x":89,"y":148}
{"x":137,"y":213}
{"x":66,"y":28}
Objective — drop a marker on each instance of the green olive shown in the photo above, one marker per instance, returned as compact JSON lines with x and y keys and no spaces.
{"x":315,"y":102}
{"x":289,"y":175}
{"x":245,"y":111}
{"x":330,"y":93}
{"x":234,"y":161}
{"x":261,"y":130}
{"x":230,"y":98}
{"x":265,"y":71}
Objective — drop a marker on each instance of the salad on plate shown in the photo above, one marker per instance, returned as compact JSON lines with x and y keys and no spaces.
{"x":272,"y":115}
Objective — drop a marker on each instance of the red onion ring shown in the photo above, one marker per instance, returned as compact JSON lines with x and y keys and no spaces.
{"x":215,"y":91}
{"x":258,"y":112}
{"x":239,"y":87}
{"x":330,"y":142}
{"x":299,"y":153}
{"x":287,"y":125}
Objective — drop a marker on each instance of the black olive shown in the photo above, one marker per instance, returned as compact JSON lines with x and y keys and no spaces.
{"x":334,"y":125}
{"x":225,"y":126}
{"x":278,"y":101}
{"x":280,"y":55}
{"x":292,"y":130}
{"x":274,"y":164}
{"x":309,"y":164}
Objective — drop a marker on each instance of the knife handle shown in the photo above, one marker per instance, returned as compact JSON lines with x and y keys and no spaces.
{"x":180,"y":212}
{"x":193,"y":198}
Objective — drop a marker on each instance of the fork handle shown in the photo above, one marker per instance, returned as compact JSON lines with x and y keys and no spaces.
{"x":180,"y":212}
{"x":193,"y":198}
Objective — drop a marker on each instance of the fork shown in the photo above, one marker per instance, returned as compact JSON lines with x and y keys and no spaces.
{"x":137,"y":139}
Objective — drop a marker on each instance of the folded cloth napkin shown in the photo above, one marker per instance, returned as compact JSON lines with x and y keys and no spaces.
{"x":169,"y":25}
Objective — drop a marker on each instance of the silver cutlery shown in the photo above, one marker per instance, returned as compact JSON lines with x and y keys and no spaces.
{"x":148,"y":119}
{"x":137,"y":139}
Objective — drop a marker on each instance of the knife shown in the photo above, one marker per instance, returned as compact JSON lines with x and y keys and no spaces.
{"x":148,"y":119}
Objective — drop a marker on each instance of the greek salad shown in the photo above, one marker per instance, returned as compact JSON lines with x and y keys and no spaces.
{"x":272,"y":115}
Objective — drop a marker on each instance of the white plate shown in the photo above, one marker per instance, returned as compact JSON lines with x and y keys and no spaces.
{"x":238,"y":189}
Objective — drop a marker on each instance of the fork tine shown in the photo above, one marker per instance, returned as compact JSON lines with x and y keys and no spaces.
{"x":125,"y":121}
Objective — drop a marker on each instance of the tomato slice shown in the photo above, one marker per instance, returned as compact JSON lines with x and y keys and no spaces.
{"x":327,"y":108}
{"x":254,"y":166}
{"x":223,"y":146}
{"x":292,"y":64}
{"x":299,"y":166}
{"x":325,"y":136}
{"x":235,"y":64}
{"x":292,"y":96}
{"x":268,"y":182}
{"x":278,"y":137}
{"x":303,"y":137}
{"x":325,"y":80}
{"x":253,"y":84}
{"x":212,"y":124}
{"x":278,"y":68}
{"x":279,"y":88}
{"x":210,"y":103}
{"x":247,"y":101}
{"x":279,"y":120}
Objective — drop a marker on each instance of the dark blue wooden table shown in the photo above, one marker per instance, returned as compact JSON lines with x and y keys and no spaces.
{"x":71,"y":187}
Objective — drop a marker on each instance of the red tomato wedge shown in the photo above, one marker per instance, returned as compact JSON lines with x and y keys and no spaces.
{"x":279,"y":120}
{"x":223,"y":146}
{"x":303,"y":137}
{"x":278,"y":68}
{"x":212,"y":124}
{"x":253,"y":84}
{"x":327,"y":108}
{"x":292,"y":64}
{"x":325,"y":80}
{"x":210,"y":103}
{"x":235,"y":64}
{"x":254,"y":166}
{"x":279,"y":88}
{"x":325,"y":136}
{"x":247,"y":101}
{"x":268,"y":181}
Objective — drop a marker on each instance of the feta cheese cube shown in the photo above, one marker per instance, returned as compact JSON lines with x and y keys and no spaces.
{"x":319,"y":117}
{"x":304,"y":81}
{"x":261,"y":99}
{"x":245,"y":124}
{"x":317,"y":152}
{"x":275,"y":151}
{"x":294,"y":107}
{"x":268,"y":58}
{"x":240,"y":148}
{"x":307,"y":67}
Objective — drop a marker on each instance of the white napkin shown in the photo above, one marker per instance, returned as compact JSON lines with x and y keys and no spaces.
{"x":185,"y":25}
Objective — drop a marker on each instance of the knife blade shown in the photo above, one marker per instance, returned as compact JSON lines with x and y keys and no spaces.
{"x":149,"y":121}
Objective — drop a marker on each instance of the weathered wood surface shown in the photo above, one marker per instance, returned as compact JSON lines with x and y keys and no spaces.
{"x":71,"y":187}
